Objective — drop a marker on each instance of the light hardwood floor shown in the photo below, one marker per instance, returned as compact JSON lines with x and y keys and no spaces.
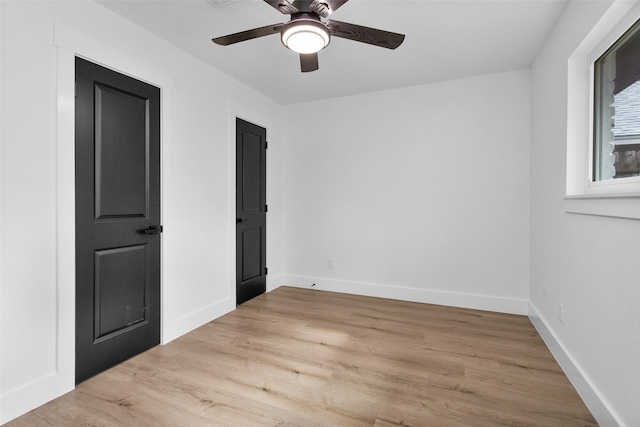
{"x":297,"y":357}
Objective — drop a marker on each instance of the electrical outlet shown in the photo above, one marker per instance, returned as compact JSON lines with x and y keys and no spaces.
{"x":561,"y":313}
{"x":330,"y":263}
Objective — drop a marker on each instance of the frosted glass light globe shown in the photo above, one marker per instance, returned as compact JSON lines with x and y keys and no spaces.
{"x":305,"y":36}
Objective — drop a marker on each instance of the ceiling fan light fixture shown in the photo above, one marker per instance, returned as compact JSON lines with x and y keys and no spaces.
{"x":305,"y":36}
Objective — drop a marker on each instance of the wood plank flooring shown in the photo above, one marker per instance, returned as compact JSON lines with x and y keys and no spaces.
{"x":298,"y":357}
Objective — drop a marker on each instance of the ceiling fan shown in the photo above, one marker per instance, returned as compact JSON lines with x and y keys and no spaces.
{"x":307,"y":34}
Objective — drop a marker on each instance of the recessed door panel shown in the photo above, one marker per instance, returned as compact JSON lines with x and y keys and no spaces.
{"x":121,"y":289}
{"x":252,"y":200}
{"x":121,"y":153}
{"x":251,"y":253}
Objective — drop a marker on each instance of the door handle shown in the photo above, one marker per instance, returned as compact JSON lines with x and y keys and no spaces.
{"x":154,"y":229}
{"x":238,"y":220}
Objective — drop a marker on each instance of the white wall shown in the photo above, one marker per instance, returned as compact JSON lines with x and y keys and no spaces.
{"x":589,"y":264}
{"x":198,"y":277}
{"x":419,"y":193}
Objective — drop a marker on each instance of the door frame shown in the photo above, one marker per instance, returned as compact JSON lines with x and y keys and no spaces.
{"x":69,"y":44}
{"x":236,"y":110}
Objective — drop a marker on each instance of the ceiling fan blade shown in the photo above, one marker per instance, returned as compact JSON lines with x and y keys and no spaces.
{"x":308,"y":62}
{"x":248,"y":35}
{"x":283,"y":6}
{"x":365,"y":34}
{"x":325,"y":8}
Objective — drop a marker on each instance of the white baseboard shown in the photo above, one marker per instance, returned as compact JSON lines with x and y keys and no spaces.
{"x":428,"y":296}
{"x":274,"y":282}
{"x":594,"y":400}
{"x":177,"y":327}
{"x":30,"y":396}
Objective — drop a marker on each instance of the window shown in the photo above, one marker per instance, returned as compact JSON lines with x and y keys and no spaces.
{"x":617,"y":109}
{"x":603,"y":117}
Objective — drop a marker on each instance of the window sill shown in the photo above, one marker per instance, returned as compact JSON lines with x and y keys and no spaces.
{"x":610,"y":205}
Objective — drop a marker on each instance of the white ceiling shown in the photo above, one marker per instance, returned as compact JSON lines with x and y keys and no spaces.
{"x":445,"y":40}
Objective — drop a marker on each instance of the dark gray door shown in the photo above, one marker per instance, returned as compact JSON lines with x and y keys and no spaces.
{"x":117,"y":218}
{"x":251,"y":211}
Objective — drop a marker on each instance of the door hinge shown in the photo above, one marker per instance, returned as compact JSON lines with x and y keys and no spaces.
{"x":75,"y":89}
{"x":266,"y":208}
{"x":266,"y":271}
{"x":266,"y":145}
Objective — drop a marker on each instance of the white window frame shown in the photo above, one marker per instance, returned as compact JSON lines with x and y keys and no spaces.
{"x":614,"y":197}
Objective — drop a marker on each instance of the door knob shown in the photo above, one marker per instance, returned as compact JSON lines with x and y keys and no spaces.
{"x":154,"y":229}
